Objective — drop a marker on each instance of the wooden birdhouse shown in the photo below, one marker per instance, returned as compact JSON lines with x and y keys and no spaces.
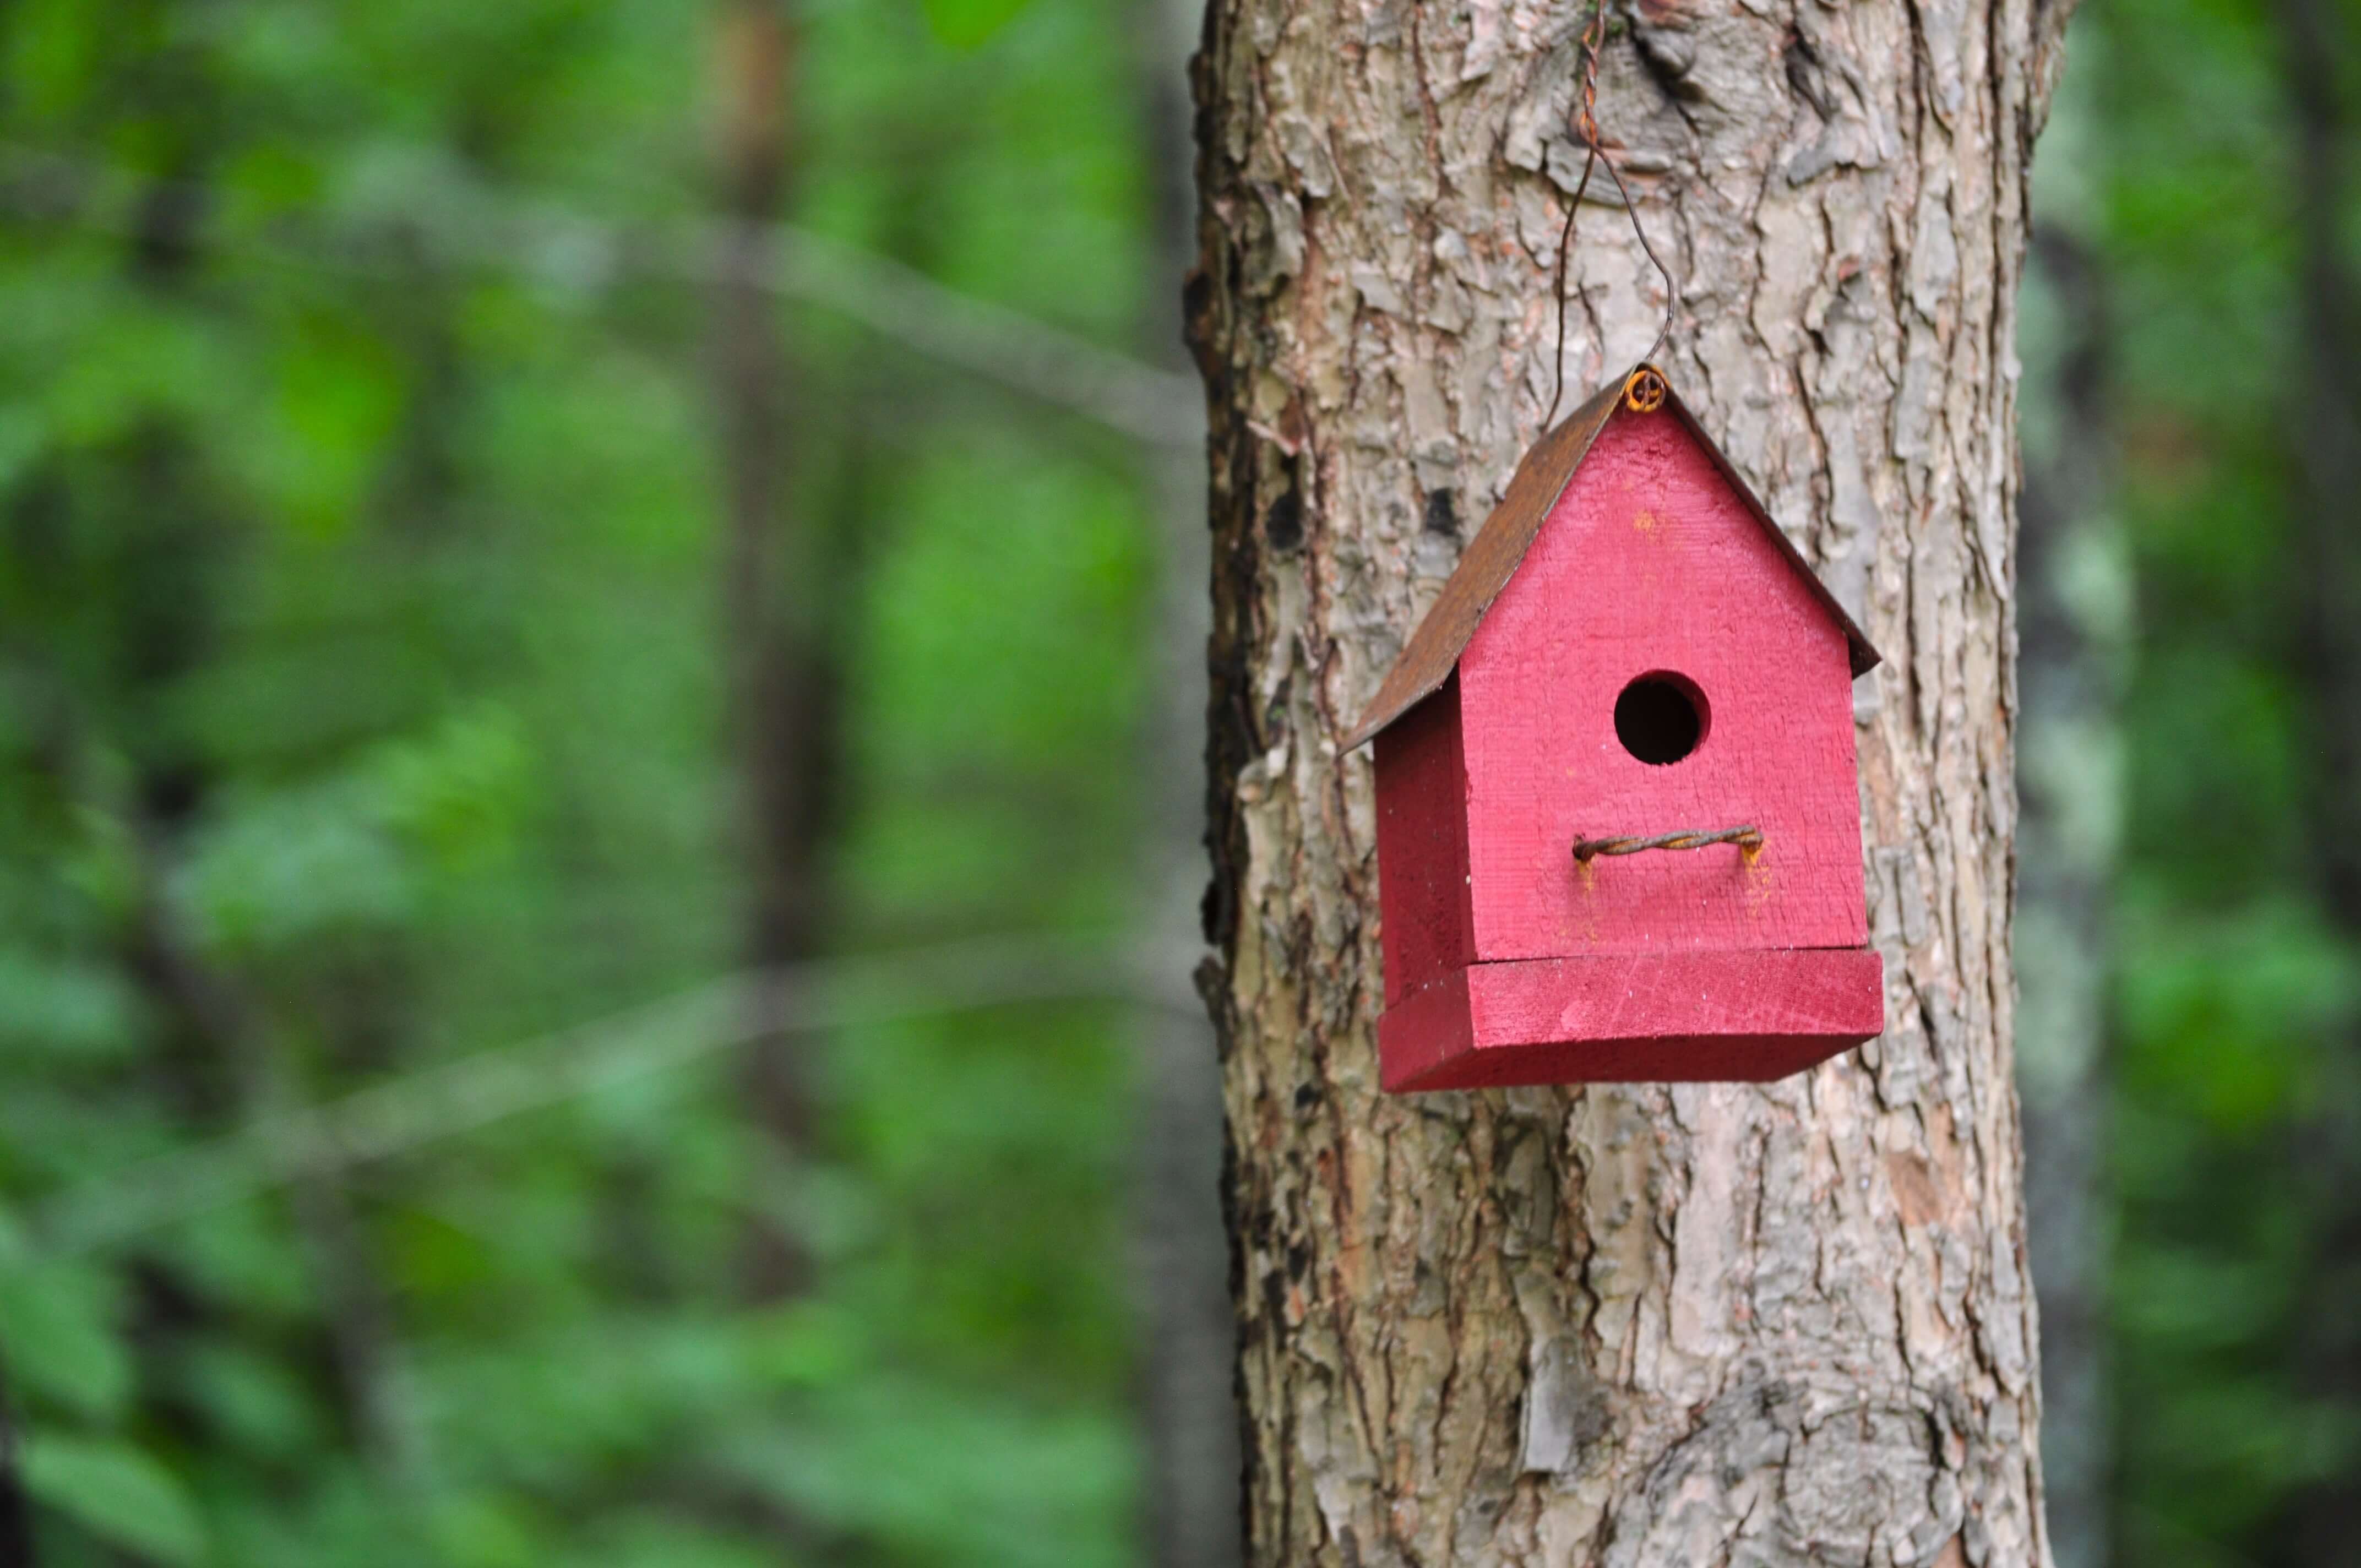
{"x":1619,"y":832}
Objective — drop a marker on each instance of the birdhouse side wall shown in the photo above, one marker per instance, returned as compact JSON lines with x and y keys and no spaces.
{"x":1422,"y":903}
{"x":1651,"y":564}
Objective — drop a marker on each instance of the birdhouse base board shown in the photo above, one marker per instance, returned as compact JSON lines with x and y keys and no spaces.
{"x":1645,"y":1018}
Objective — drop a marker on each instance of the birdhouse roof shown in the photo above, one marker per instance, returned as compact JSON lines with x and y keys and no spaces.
{"x":1498,"y":548}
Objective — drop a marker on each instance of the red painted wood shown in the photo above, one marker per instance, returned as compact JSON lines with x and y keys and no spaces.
{"x":1664,"y":1017}
{"x":1507,"y":961}
{"x":1422,"y":846}
{"x":1652,"y":561}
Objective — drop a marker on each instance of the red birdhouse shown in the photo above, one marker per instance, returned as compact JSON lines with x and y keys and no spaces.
{"x":1618,"y":830}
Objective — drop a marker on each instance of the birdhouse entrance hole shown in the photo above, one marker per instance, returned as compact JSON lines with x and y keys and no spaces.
{"x":1661,"y":718}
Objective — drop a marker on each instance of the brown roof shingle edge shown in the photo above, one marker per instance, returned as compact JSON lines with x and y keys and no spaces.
{"x":1498,"y":548}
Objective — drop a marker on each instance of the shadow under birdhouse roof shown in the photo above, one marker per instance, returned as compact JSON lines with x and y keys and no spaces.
{"x":1498,"y":548}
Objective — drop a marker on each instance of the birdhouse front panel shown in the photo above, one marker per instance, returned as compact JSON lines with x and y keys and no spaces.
{"x":1618,"y":803}
{"x":1656,"y":664}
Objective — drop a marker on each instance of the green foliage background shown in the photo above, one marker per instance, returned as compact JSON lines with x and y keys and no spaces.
{"x":2236,"y":1049}
{"x":359,"y":651}
{"x":358,"y":627}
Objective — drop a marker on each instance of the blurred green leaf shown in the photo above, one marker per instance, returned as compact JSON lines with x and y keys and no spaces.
{"x":338,"y":395}
{"x":2226,"y":1009}
{"x":809,"y":1344}
{"x":484,"y":1531}
{"x":118,"y":1493}
{"x":945,"y":1478}
{"x":65,"y":1007}
{"x":967,"y":24}
{"x":58,"y":1328}
{"x":460,"y":790}
{"x":253,"y":1399}
{"x":283,"y":869}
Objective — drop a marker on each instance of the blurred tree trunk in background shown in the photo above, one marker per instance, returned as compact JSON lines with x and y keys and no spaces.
{"x":239,"y":1056}
{"x":779,"y":594}
{"x":1646,"y":1324}
{"x":2322,"y":1528}
{"x":2073,"y":624}
{"x":15,"y":1521}
{"x":361,"y":1317}
{"x":1190,"y":1337}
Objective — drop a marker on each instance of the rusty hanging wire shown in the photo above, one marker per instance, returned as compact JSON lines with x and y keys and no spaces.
{"x":1584,"y":123}
{"x":1749,"y":838}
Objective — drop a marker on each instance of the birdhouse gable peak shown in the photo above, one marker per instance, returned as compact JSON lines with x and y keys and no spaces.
{"x":1499,"y":549}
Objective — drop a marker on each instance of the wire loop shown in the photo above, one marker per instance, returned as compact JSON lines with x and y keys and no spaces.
{"x":1582,"y":122}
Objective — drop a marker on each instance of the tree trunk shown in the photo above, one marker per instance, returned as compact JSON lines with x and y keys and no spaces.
{"x":2073,"y":624}
{"x":2321,"y":1524}
{"x":1190,"y":1484}
{"x":783,"y":672}
{"x":16,"y":1514}
{"x":1642,"y":1324}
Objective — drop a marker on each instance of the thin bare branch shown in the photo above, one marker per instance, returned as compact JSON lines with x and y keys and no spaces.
{"x":573,"y":259}
{"x":420,"y":1108}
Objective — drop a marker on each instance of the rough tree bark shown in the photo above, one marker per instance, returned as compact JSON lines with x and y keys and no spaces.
{"x":1637,"y":1325}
